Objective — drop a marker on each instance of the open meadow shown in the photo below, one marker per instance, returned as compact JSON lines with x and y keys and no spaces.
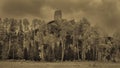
{"x":29,"y":64}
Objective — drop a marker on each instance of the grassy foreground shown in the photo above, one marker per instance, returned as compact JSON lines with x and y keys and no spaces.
{"x":29,"y":64}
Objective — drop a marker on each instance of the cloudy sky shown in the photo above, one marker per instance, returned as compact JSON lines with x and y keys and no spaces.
{"x":98,"y":12}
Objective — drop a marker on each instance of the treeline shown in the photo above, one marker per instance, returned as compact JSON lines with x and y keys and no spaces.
{"x":56,"y":41}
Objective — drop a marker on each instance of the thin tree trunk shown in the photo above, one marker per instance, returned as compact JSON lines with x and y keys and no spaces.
{"x":13,"y":52}
{"x":42,"y":48}
{"x":83,"y":55}
{"x":9,"y":45}
{"x":78,"y":51}
{"x":63,"y":47}
{"x":83,"y":52}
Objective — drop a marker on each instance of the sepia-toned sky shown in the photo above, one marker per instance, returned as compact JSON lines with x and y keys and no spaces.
{"x":99,"y":12}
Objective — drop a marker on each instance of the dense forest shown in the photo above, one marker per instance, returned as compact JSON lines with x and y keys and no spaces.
{"x":57,"y":40}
